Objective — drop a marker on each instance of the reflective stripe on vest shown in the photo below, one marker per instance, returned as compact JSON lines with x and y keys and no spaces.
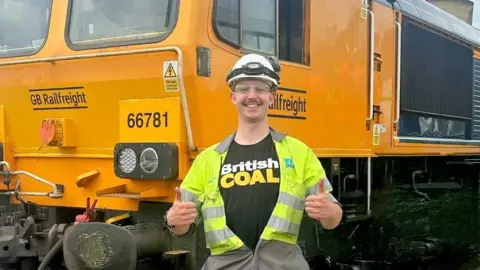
{"x":188,"y":196}
{"x":214,"y":237}
{"x":213,"y":217}
{"x":216,"y":230}
{"x":278,"y":221}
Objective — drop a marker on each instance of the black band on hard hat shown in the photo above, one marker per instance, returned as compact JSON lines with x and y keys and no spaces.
{"x":253,"y":68}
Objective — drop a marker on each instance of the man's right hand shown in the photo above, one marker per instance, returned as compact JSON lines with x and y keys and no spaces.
{"x":182,"y":214}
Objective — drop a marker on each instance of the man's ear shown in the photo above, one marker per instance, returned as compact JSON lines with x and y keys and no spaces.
{"x":273,"y":95}
{"x":232,"y":97}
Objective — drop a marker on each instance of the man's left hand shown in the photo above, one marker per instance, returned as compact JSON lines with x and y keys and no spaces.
{"x":319,"y":206}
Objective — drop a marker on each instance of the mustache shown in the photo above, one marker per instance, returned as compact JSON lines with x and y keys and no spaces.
{"x":252,"y":102}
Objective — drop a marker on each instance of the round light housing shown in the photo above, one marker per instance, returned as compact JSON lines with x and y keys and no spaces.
{"x":149,"y":160}
{"x":253,"y":68}
{"x":254,"y":65}
{"x":127,"y":160}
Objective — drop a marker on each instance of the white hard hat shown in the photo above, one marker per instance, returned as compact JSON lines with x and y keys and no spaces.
{"x":255,"y":66}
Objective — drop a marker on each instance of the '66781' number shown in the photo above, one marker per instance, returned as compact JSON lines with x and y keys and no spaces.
{"x":147,"y":119}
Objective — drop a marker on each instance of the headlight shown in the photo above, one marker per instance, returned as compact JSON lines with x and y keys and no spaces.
{"x":127,"y":160}
{"x":146,"y":161}
{"x":253,"y":68}
{"x":149,"y":160}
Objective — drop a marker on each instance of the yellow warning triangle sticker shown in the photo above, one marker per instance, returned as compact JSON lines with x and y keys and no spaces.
{"x":170,"y":73}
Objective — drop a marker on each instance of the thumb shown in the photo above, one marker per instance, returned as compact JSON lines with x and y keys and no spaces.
{"x":178,"y":194}
{"x":321,"y":186}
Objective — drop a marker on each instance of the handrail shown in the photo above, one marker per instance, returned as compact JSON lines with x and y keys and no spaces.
{"x":372,"y":69}
{"x":128,"y":52}
{"x":7,"y":172}
{"x":399,"y":59}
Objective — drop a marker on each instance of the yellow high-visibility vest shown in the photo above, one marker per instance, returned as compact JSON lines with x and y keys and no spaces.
{"x":300,"y":172}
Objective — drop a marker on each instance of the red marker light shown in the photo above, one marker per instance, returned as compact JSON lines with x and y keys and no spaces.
{"x":47,"y":131}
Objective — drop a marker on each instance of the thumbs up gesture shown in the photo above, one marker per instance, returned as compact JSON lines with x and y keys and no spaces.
{"x":182,"y":214}
{"x":319,"y":206}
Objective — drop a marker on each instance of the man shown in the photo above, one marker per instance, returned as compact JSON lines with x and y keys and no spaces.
{"x":251,"y":187}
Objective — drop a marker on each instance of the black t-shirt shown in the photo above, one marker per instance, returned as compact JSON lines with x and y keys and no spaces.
{"x":249,"y":184}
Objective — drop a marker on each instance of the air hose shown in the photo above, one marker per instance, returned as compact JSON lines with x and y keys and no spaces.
{"x":51,"y":253}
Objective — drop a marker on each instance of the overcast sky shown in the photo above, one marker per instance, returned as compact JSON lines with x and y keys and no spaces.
{"x":476,"y":13}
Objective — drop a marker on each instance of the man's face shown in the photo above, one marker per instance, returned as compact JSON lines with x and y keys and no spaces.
{"x":252,"y":98}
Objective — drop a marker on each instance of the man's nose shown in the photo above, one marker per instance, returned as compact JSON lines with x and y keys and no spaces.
{"x":251,"y":92}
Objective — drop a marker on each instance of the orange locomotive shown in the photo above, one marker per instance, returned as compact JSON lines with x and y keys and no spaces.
{"x":114,"y":99}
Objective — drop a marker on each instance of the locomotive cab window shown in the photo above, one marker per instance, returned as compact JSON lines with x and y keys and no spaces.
{"x":273,"y":27}
{"x":106,"y":23}
{"x":23,"y":26}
